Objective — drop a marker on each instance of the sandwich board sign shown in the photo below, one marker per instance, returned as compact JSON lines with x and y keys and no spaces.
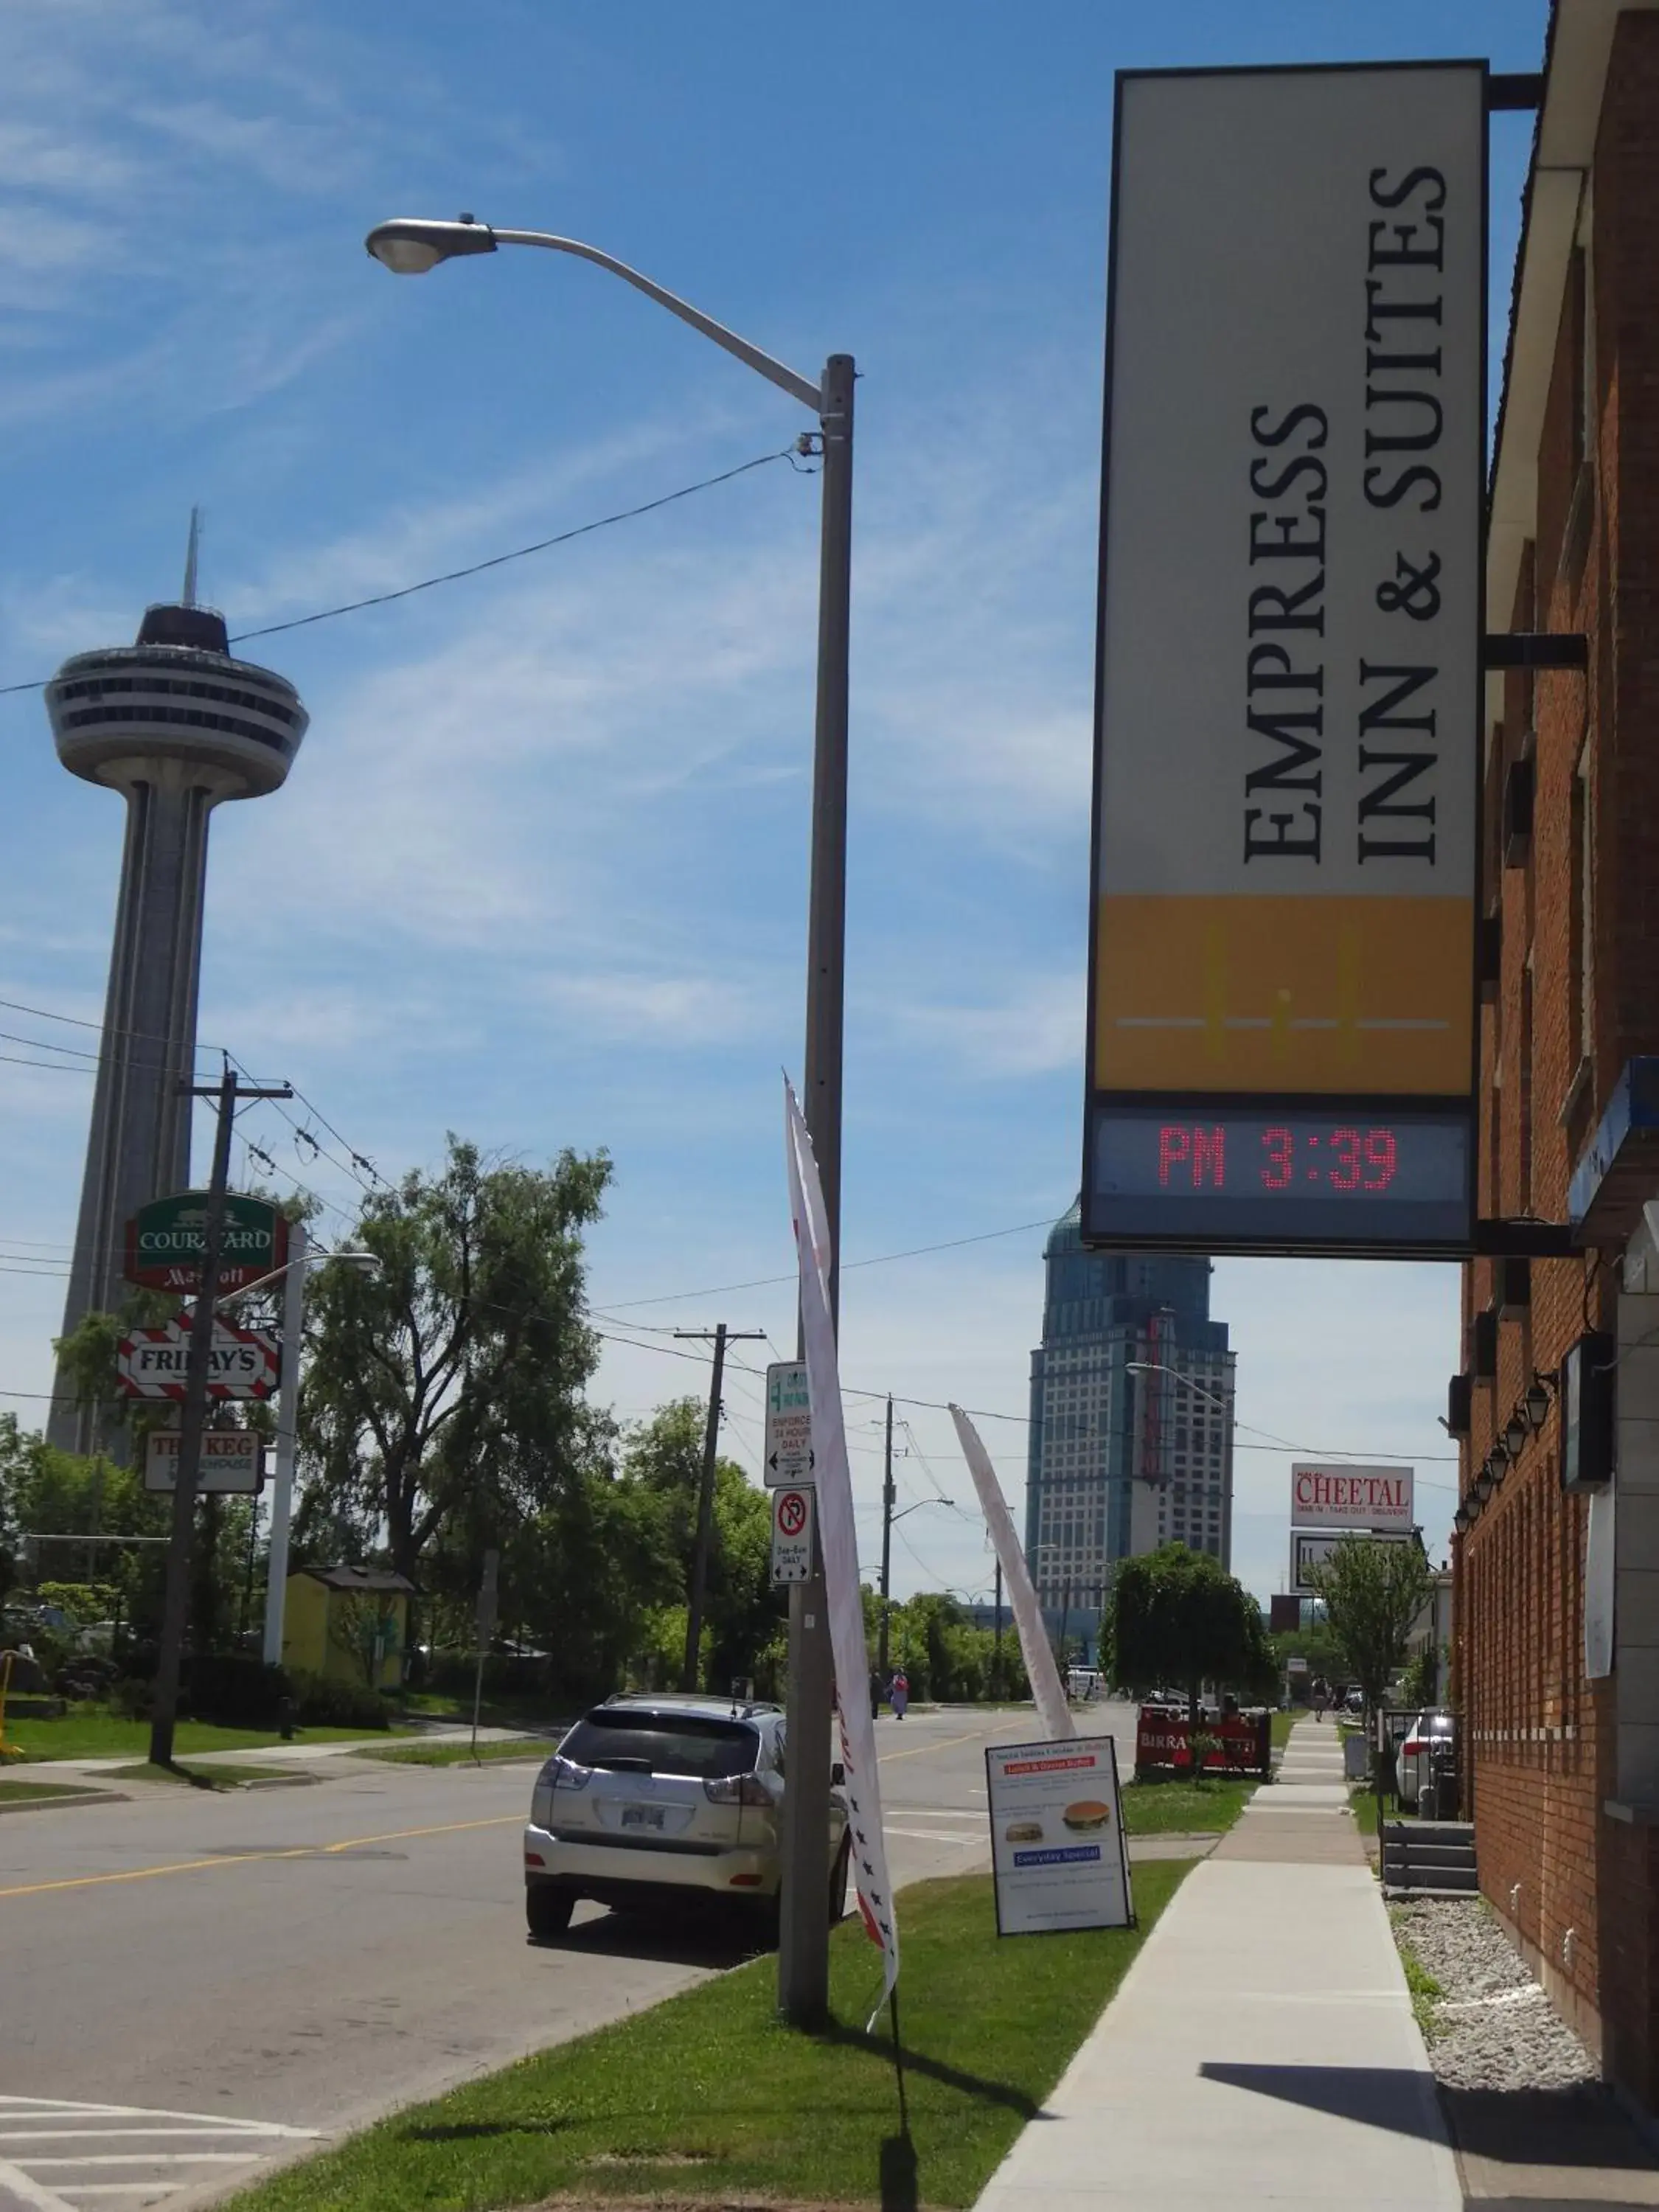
{"x":228,"y":1468}
{"x":792,"y":1535}
{"x":1057,"y":1849}
{"x":787,"y":1458}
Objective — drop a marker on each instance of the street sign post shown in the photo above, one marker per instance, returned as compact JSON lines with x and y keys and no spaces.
{"x":165,"y":1243}
{"x":787,"y":1458}
{"x":243,"y":1363}
{"x":230,"y":1468}
{"x":792,"y":1519}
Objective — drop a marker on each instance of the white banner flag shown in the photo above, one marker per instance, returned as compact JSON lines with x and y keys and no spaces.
{"x":839,"y":1539}
{"x":1043,"y":1675}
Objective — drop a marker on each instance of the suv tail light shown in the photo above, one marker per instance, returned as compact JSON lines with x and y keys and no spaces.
{"x":564,"y":1773}
{"x":737,"y":1790}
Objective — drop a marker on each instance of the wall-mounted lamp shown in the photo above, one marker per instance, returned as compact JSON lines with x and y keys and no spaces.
{"x":1539,"y":1391}
{"x":1516,"y":1430}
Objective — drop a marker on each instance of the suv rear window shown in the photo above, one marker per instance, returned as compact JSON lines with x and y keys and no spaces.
{"x":662,"y":1743}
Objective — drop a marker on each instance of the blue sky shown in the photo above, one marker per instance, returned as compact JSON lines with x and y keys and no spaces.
{"x":539,"y":875}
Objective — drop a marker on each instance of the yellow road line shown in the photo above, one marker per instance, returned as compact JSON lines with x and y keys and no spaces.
{"x":245,"y":1858}
{"x":888,"y":1758}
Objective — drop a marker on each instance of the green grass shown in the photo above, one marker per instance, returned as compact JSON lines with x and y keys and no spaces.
{"x":1425,"y":1992}
{"x":217,"y":1776}
{"x":98,"y":1735}
{"x":1282,"y":1725}
{"x":1362,"y":1802}
{"x":38,"y":1793}
{"x":1198,"y":1808}
{"x":707,"y":2097}
{"x":460,"y":1755}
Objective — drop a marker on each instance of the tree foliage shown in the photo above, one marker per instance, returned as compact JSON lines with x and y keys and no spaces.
{"x":1373,"y":1591}
{"x":447,"y":1388}
{"x":1176,"y":1616}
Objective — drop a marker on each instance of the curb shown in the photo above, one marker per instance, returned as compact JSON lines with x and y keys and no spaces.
{"x":65,"y":1804}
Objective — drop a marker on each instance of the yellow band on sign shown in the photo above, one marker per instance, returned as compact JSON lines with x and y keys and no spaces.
{"x":1293,"y":994}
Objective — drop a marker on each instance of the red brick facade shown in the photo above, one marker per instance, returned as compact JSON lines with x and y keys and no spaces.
{"x":1577,"y":996}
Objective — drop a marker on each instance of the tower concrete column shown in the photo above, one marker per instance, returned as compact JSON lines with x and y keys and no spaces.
{"x":177,"y":725}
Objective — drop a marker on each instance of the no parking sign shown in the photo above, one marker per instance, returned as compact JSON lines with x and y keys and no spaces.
{"x":792,"y":1535}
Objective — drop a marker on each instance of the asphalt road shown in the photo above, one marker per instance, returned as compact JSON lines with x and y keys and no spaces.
{"x":174,"y":1969}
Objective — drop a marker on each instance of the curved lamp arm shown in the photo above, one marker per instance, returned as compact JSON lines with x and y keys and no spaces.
{"x":409,"y":246}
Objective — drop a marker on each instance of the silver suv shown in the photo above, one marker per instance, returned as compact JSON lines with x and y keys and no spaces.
{"x":650,"y":1798}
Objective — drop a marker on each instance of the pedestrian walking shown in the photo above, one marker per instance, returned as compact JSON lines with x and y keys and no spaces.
{"x":1320,"y":1695}
{"x":900,"y":1693}
{"x":875,"y":1694}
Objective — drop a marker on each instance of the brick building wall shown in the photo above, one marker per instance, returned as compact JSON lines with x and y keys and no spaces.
{"x":1576,"y":995}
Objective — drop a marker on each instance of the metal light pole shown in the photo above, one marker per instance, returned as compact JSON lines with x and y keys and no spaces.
{"x":887,"y":1499}
{"x":409,"y":247}
{"x":288,"y":1420}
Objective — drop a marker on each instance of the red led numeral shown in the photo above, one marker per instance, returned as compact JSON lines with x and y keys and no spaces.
{"x":1280,"y":1147}
{"x":1381,"y":1158}
{"x":1348,"y":1145}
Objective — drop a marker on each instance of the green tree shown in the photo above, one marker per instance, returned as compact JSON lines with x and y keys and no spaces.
{"x":1177,"y":1616}
{"x":1373,"y":1592}
{"x":662,"y":1478}
{"x":50,"y":1494}
{"x":443,"y":1394}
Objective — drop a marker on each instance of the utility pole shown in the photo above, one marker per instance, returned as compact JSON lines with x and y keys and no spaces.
{"x":711,"y":1436}
{"x":176,"y":1608}
{"x":803,"y":1919}
{"x":996,"y":1617}
{"x":887,"y":1497}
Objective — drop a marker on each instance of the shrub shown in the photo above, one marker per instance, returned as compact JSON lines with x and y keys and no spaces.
{"x":233,"y":1689}
{"x":325,"y":1701}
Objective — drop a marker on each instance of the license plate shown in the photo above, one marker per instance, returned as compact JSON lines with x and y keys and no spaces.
{"x":641,"y":1816}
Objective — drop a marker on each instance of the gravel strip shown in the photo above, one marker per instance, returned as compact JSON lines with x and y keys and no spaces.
{"x":1492,"y":2027}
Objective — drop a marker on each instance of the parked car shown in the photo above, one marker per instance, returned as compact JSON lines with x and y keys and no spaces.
{"x":1412,"y":1765}
{"x":655,"y":1799}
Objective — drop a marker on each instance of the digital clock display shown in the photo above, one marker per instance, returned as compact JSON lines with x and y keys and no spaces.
{"x":1265,"y":1180}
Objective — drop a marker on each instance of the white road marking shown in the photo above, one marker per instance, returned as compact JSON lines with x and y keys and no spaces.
{"x":46,"y":2181}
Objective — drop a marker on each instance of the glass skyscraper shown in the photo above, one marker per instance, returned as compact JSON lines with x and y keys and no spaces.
{"x":1131,"y":1420}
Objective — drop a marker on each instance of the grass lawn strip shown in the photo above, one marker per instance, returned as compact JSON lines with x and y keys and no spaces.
{"x":1183,"y":1809}
{"x":220,"y":1776}
{"x":460,"y":1755}
{"x":99,"y":1735}
{"x":1425,"y":1992}
{"x":705,"y":2097}
{"x":18,"y":1792}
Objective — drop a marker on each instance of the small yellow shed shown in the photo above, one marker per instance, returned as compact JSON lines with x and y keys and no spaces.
{"x":349,"y":1622}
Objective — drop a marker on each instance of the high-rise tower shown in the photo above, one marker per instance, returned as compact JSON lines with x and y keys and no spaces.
{"x":175,"y":725}
{"x":1132,"y":1419}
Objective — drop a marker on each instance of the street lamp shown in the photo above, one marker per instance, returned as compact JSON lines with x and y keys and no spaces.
{"x":409,"y":247}
{"x":291,"y":1276}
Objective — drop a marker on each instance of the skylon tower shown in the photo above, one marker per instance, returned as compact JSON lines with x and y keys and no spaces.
{"x":175,"y":725}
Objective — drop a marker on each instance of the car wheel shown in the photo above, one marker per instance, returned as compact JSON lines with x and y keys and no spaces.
{"x":838,"y":1881}
{"x":547,"y":1910}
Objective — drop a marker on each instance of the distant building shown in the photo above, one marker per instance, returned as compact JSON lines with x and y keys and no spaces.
{"x":1121,"y":1462}
{"x":177,"y":725}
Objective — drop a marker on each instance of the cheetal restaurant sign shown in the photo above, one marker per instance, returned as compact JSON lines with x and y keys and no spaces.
{"x":1281,"y":1018}
{"x":1379,"y":1499}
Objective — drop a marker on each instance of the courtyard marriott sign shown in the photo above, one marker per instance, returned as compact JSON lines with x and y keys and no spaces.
{"x":1281,"y":1018}
{"x":165,"y":1242}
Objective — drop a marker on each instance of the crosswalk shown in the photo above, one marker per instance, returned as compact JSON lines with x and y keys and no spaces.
{"x":59,"y":2157}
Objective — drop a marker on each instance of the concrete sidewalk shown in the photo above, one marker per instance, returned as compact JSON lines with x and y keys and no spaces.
{"x":1261,"y":2051}
{"x":300,"y":1753}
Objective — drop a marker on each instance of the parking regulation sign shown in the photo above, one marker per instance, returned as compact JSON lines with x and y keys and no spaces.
{"x":792,"y":1535}
{"x":787,"y":1459}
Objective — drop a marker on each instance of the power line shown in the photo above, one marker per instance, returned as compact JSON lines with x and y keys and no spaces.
{"x":478,"y":568}
{"x":878,"y":1259}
